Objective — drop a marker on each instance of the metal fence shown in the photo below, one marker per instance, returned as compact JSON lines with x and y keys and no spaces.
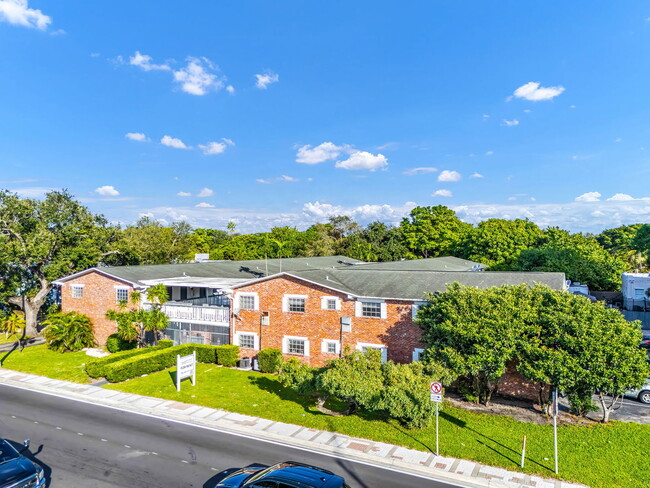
{"x":189,"y":333}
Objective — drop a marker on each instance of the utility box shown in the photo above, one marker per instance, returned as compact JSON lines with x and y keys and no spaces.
{"x":346,"y":324}
{"x":266,"y":318}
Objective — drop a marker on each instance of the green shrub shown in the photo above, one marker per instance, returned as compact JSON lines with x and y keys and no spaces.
{"x":115,"y":343}
{"x":156,"y":360}
{"x":227,"y":355}
{"x":166,"y":343}
{"x":71,"y":331}
{"x":298,"y":376}
{"x":270,"y":360}
{"x":97,"y":368}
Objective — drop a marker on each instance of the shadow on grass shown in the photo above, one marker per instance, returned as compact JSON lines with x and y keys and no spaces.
{"x":9,"y":352}
{"x":308,"y":403}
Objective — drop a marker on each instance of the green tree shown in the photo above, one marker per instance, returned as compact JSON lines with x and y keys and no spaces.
{"x":433,"y":231}
{"x":71,"y":331}
{"x":621,"y":242}
{"x":12,"y":324}
{"x":579,"y":257}
{"x":41,"y":241}
{"x":153,"y":243}
{"x":497,"y":243}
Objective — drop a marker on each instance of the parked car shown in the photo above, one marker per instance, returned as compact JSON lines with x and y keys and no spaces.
{"x":642,"y":394}
{"x":16,"y":471}
{"x":288,"y":474}
{"x":645,"y":342}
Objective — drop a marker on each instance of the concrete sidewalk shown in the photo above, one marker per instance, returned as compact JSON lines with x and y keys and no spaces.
{"x":455,"y":471}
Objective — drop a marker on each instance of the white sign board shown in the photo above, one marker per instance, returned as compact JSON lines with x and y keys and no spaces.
{"x":185,"y":368}
{"x":436,"y":397}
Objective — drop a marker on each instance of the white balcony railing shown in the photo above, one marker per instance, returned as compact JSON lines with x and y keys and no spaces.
{"x":205,"y":314}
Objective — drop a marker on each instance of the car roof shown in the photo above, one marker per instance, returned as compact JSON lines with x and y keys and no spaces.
{"x":303,"y":475}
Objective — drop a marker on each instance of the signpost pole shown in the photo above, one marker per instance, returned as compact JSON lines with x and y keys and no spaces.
{"x":555,"y":427}
{"x":194,"y":369}
{"x":436,"y":396}
{"x":437,"y":444}
{"x":178,"y":372}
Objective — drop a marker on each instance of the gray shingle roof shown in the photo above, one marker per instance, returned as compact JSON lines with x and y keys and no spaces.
{"x":445,"y":263}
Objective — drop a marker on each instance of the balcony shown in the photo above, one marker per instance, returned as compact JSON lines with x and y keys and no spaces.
{"x":202,"y":312}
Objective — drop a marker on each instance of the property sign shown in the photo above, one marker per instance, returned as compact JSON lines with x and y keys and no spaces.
{"x":436,"y":387}
{"x":185,"y":368}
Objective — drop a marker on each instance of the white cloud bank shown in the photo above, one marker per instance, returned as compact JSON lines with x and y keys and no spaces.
{"x":449,"y":175}
{"x":170,"y":141}
{"x":319,"y":154}
{"x":535,"y":93}
{"x":361,"y":160}
{"x":107,"y":191}
{"x":590,"y":196}
{"x":17,"y":12}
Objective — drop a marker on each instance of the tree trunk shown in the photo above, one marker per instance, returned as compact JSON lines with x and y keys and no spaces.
{"x":607,"y":409}
{"x":32,"y":306}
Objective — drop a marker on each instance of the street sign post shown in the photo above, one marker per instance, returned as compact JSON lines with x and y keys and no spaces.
{"x":185,"y":368}
{"x":555,"y":412}
{"x":436,"y":396}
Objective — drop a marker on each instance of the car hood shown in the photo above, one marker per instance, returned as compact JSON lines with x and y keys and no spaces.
{"x":237,"y":478}
{"x":16,"y":470}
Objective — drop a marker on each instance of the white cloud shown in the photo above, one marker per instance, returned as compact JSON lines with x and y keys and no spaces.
{"x":510,"y":123}
{"x":420,"y":170}
{"x":144,"y":61}
{"x":618,"y":139}
{"x":442,"y":193}
{"x":170,"y":141}
{"x":268,"y":78}
{"x":489,"y":153}
{"x":136,"y":136}
{"x":364,"y":214}
{"x":591,"y":196}
{"x":319,"y":154}
{"x":448,"y":175}
{"x":279,"y":179}
{"x":288,"y":178}
{"x":486,"y":116}
{"x":212,"y":148}
{"x":534,"y":92}
{"x":196,"y":79}
{"x":205,"y":192}
{"x":620,"y":197}
{"x":107,"y":191}
{"x":363,"y":160}
{"x":230,"y":142}
{"x":184,"y":194}
{"x":204,"y":205}
{"x":230,"y":89}
{"x":572,"y":106}
{"x":17,"y":12}
{"x":476,"y":175}
{"x":511,"y":199}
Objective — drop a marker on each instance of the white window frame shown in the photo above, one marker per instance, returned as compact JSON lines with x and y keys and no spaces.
{"x":358,"y":308}
{"x":326,"y":342}
{"x":384,"y":349}
{"x":285,"y":345}
{"x":324,"y":302}
{"x":256,"y":300}
{"x":256,"y":339}
{"x":417,"y":352}
{"x":637,"y":295}
{"x":415,"y":307}
{"x":285,"y":302}
{"x":74,"y":288}
{"x":118,"y":289}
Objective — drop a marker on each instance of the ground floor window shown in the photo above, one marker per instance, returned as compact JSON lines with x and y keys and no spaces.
{"x":189,"y":333}
{"x":247,"y":341}
{"x":295,"y":345}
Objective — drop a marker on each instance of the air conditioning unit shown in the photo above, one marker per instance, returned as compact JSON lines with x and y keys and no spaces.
{"x":245,"y":363}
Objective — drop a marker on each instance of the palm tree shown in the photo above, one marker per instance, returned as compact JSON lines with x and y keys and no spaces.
{"x":70,"y":331}
{"x":12,"y":324}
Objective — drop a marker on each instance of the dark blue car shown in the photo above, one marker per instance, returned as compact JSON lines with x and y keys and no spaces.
{"x":289,"y":474}
{"x":16,"y":471}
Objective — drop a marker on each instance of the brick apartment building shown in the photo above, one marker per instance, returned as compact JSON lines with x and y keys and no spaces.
{"x":311,"y":308}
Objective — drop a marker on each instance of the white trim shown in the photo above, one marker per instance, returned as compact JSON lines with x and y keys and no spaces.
{"x":325,"y":342}
{"x":120,"y":288}
{"x":384,"y":349}
{"x":256,"y":300}
{"x":416,"y":354}
{"x":358,"y":308}
{"x":285,"y":345}
{"x":65,"y":279}
{"x":285,"y":302}
{"x":415,"y":307}
{"x":256,"y":339}
{"x":324,"y":302}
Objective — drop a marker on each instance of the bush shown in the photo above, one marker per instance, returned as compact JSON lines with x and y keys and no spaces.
{"x":157,"y":360}
{"x":115,"y":343}
{"x":97,"y":368}
{"x":71,"y":331}
{"x":298,"y":376}
{"x":166,"y":343}
{"x":270,"y":360}
{"x":227,"y":355}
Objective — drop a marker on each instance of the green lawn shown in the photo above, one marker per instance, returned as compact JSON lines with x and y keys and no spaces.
{"x":42,"y":361}
{"x":598,"y":455}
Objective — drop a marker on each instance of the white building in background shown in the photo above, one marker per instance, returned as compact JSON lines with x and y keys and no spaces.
{"x":636,"y":289}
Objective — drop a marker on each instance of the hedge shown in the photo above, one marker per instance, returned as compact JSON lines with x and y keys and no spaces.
{"x":158,"y":360}
{"x":115,"y":343}
{"x":96,"y":369}
{"x":270,"y":360}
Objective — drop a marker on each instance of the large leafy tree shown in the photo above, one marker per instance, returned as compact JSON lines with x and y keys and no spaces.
{"x":498,"y":242}
{"x":621,"y":242}
{"x":150,"y":242}
{"x":42,"y":240}
{"x":579,"y":257}
{"x":433,"y":231}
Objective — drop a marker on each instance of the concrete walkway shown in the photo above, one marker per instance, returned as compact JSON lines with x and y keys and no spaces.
{"x":455,"y":471}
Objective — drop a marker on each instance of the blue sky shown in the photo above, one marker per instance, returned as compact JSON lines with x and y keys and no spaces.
{"x":284,"y":113}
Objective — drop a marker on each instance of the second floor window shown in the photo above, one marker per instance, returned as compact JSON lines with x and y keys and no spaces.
{"x":122,"y":294}
{"x":296,"y":304}
{"x":247,"y":302}
{"x":296,"y":346}
{"x":371,"y":309}
{"x":77,"y":291}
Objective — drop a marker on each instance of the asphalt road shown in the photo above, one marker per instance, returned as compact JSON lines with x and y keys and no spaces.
{"x":87,"y":446}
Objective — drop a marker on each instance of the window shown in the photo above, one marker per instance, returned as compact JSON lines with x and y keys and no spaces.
{"x":247,"y":341}
{"x":296,"y":304}
{"x":363,"y":347}
{"x":247,"y":302}
{"x":330,"y":304}
{"x":370,"y":309}
{"x":77,"y":291}
{"x":639,"y":293}
{"x":122,"y":294}
{"x":296,"y":346}
{"x":415,"y":307}
{"x":417,"y":354}
{"x":330,"y":346}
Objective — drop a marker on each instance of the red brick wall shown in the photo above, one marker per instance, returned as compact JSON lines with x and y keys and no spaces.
{"x":513,"y":384}
{"x":99,"y":295}
{"x":397,"y":331}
